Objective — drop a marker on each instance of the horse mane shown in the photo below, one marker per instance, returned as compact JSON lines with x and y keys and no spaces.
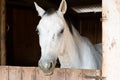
{"x":69,"y":23}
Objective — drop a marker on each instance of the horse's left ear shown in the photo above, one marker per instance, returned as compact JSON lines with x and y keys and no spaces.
{"x":63,"y":7}
{"x":39,"y":9}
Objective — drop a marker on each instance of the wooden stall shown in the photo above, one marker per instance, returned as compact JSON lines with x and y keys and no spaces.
{"x":34,"y":73}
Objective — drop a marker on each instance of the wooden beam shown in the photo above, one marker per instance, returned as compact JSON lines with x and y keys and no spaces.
{"x":89,"y":8}
{"x":30,"y":4}
{"x":2,"y":33}
{"x":111,"y":39}
{"x":76,"y":3}
{"x":46,"y":5}
{"x":35,"y":73}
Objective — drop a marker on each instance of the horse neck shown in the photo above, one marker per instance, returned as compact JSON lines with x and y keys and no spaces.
{"x":87,"y":53}
{"x":70,"y":56}
{"x":79,"y":52}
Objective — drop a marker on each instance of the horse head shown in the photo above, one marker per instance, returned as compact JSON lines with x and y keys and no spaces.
{"x":51,"y":31}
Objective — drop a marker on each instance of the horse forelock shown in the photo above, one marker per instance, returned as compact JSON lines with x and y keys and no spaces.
{"x":66,"y":17}
{"x":49,"y":12}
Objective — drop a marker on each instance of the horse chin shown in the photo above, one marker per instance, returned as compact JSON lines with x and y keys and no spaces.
{"x":48,"y":73}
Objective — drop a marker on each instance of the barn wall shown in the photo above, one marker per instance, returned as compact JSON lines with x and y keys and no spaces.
{"x":91,"y":28}
{"x":89,"y":25}
{"x":22,"y":39}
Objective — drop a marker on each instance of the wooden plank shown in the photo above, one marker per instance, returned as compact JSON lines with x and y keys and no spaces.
{"x":111,"y":39}
{"x":15,"y":73}
{"x":3,"y":72}
{"x":40,"y":75}
{"x":2,"y":33}
{"x":34,"y":73}
{"x":58,"y":74}
{"x":91,"y":74}
{"x":28,"y":73}
{"x":73,"y":74}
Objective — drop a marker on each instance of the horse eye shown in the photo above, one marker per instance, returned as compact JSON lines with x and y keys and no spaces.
{"x":61,"y":31}
{"x":37,"y":31}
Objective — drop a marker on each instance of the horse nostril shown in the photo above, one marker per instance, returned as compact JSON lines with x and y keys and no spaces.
{"x":50,"y":66}
{"x":45,"y":66}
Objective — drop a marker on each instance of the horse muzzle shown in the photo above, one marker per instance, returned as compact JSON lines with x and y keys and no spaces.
{"x":47,"y":66}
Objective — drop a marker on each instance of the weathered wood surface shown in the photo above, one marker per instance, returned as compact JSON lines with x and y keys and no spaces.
{"x":2,"y":33}
{"x":111,"y":39}
{"x":34,"y":73}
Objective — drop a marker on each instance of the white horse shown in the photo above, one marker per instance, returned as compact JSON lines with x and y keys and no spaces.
{"x":56,"y":41}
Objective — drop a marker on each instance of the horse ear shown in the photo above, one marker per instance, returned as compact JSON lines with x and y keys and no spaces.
{"x":63,"y":7}
{"x":39,"y":9}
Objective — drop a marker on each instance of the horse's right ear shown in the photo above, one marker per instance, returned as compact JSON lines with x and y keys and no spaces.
{"x":39,"y":9}
{"x":63,"y":7}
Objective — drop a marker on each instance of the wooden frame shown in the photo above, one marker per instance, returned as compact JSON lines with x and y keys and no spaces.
{"x":2,"y":33}
{"x":111,"y":50}
{"x":111,"y":39}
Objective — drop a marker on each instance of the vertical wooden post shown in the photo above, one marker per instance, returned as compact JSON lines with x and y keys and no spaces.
{"x":111,"y":39}
{"x":2,"y":33}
